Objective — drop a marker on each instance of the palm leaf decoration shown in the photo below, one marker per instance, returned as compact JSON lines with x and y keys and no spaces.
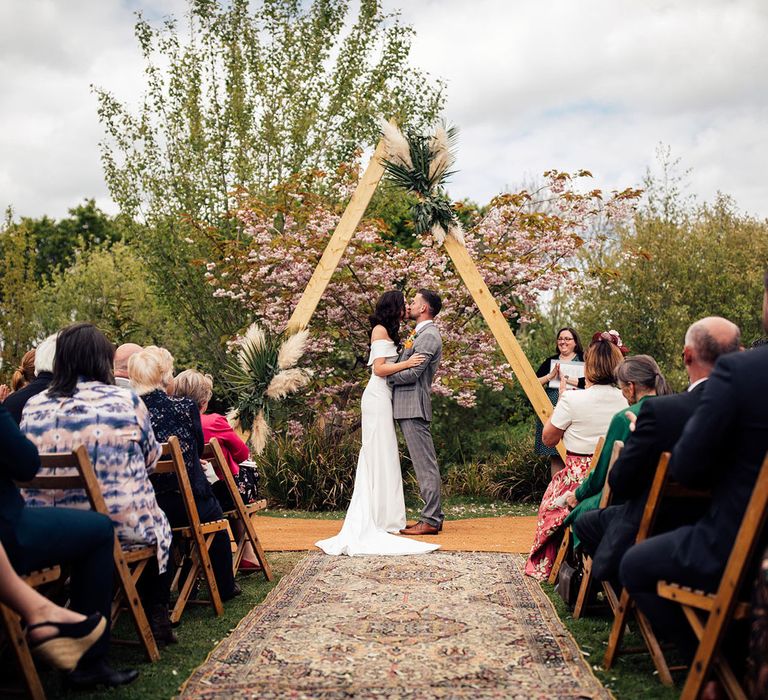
{"x":262,"y":372}
{"x":420,"y":164}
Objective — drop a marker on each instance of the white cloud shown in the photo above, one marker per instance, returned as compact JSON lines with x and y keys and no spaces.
{"x":533,"y":85}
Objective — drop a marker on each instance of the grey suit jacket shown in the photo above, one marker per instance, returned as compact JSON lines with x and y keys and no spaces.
{"x":412,"y":388}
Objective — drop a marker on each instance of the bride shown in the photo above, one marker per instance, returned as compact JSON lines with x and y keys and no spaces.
{"x":377,"y":507}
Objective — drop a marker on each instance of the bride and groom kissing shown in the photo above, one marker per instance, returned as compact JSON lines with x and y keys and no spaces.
{"x":399,"y":390}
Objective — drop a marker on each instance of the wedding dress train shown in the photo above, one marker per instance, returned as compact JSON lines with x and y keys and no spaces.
{"x":377,"y":507}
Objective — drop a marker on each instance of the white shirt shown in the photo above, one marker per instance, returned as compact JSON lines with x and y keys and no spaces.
{"x":123,"y":381}
{"x":421,"y":325}
{"x":585,"y":416}
{"x":696,"y":383}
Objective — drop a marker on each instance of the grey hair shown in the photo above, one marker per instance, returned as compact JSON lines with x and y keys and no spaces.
{"x":706,"y":346}
{"x":643,"y":371}
{"x":44,"y":354}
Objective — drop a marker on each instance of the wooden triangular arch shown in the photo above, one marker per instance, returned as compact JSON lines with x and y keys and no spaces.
{"x":465,"y":266}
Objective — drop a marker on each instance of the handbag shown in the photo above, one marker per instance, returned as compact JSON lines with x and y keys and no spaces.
{"x":569,"y":581}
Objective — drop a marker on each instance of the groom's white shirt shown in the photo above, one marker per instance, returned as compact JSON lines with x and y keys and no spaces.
{"x":421,"y":325}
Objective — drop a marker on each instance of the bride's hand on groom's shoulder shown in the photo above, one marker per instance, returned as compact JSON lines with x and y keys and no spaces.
{"x":415,"y":360}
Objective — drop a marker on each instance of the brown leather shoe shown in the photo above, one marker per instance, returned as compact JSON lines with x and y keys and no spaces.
{"x":420,"y":528}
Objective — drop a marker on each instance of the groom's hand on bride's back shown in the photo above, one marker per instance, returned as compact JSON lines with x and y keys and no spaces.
{"x":415,"y":360}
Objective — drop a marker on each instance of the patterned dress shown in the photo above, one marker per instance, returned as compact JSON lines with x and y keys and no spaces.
{"x":114,"y":426}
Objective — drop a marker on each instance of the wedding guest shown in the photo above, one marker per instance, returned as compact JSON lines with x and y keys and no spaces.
{"x":38,"y":538}
{"x":639,"y":378}
{"x":607,"y":534}
{"x":579,"y":419}
{"x":151,"y":374}
{"x":82,"y":406}
{"x":199,"y":387}
{"x":122,"y":355}
{"x":44,"y":355}
{"x":568,"y":349}
{"x":722,"y":448}
{"x":25,"y":372}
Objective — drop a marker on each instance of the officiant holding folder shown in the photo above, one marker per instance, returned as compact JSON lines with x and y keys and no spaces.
{"x":550,"y":373}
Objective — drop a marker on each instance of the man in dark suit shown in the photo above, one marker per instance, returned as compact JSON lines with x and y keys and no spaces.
{"x":606,"y":534}
{"x":722,"y":447}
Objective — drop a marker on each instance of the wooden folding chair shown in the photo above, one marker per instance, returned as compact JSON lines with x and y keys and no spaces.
{"x":129,"y":564}
{"x":621,"y":603}
{"x":18,"y":640}
{"x":710,"y":614}
{"x":197,"y":537}
{"x":565,"y":544}
{"x":605,"y":501}
{"x":241,"y":512}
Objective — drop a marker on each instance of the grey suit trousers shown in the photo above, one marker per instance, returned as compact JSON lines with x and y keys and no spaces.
{"x":418,"y":437}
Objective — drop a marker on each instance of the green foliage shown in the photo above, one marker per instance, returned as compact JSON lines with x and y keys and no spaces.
{"x":665,"y":273}
{"x":313,"y":472}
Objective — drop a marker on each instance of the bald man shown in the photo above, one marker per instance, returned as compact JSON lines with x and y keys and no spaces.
{"x":122,"y":355}
{"x":722,"y":448}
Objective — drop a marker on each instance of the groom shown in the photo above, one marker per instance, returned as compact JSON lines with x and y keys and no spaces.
{"x":412,"y":408}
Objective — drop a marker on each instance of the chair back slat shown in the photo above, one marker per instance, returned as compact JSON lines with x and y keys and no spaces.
{"x":605,"y":497}
{"x":172,"y":461}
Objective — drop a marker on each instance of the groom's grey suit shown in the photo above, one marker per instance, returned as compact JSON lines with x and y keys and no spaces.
{"x":412,"y":409}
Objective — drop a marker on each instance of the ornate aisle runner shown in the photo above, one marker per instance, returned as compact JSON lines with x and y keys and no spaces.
{"x":443,"y":625}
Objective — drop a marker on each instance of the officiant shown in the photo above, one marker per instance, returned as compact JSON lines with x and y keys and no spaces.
{"x":568,"y":349}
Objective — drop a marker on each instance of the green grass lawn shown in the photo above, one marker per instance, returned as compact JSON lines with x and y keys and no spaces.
{"x":455,"y":507}
{"x":633,"y":675}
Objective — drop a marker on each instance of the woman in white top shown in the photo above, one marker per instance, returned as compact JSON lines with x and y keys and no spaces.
{"x":377,"y":508}
{"x":579,"y":419}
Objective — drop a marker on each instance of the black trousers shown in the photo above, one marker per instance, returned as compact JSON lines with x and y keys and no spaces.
{"x":591,"y":526}
{"x":209,"y":509}
{"x":80,"y":539}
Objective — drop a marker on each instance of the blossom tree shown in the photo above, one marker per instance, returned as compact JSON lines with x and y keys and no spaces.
{"x":524,"y":246}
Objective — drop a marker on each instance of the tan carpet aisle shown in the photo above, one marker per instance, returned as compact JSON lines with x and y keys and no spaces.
{"x":506,"y":534}
{"x":443,"y":626}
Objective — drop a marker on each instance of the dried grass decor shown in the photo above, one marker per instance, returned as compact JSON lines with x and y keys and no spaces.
{"x":420,"y":164}
{"x":263,"y":371}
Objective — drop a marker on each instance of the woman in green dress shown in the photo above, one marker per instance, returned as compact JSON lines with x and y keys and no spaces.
{"x":639,"y":378}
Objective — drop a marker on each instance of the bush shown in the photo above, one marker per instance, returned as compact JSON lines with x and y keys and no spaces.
{"x":313,"y":472}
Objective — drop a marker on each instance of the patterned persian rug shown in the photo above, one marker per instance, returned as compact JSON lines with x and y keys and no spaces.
{"x":442,"y":625}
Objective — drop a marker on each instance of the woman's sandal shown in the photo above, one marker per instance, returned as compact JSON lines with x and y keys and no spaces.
{"x":73,"y":639}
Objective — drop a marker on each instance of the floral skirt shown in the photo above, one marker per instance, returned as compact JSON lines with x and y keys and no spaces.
{"x":549,"y":527}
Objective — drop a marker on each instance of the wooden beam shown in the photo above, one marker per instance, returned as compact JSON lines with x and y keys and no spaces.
{"x":345,"y":229}
{"x":491,"y":312}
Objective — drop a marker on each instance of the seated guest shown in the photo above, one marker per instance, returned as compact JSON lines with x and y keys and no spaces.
{"x":199,"y":387}
{"x":639,"y":378}
{"x":25,"y":372}
{"x":43,"y":374}
{"x":605,"y":535}
{"x":37,"y":538}
{"x":82,"y":406}
{"x":722,"y":448}
{"x":122,"y":355}
{"x":580,"y":419}
{"x":151,"y":373}
{"x":59,"y":635}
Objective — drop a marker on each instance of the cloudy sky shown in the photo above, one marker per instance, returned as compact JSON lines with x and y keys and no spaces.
{"x":597,"y":84}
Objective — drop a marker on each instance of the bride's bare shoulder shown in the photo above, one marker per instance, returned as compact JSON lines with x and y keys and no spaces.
{"x":379,"y":333}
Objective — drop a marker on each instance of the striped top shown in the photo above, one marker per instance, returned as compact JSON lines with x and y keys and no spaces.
{"x":113,"y":424}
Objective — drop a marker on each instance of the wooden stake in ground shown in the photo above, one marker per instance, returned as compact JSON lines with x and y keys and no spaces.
{"x":491,"y":312}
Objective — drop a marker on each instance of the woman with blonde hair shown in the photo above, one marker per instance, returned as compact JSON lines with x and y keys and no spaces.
{"x":199,"y":387}
{"x":579,"y":419}
{"x":151,"y":374}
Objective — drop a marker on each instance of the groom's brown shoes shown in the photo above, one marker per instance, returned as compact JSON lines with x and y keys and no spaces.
{"x":420,"y":528}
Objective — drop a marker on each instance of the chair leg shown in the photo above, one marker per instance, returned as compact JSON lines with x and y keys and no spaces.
{"x":654,"y":648}
{"x":564,"y":545}
{"x":18,"y":642}
{"x":584,"y":588}
{"x":253,"y":538}
{"x":617,"y":630}
{"x":210,"y":577}
{"x":186,"y":586}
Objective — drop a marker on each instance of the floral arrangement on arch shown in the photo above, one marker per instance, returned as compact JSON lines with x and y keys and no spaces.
{"x":263,"y":372}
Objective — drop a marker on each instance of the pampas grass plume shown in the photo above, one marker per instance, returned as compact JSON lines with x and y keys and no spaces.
{"x":254,"y":340}
{"x":396,"y":143}
{"x":287,"y":382}
{"x":442,"y":158}
{"x":292,"y":349}
{"x":439,"y":233}
{"x":259,"y":433}
{"x":457,"y":232}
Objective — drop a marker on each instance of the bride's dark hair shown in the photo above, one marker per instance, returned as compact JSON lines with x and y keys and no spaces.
{"x":389,"y":312}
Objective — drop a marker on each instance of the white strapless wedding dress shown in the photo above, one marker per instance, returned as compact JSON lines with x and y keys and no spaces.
{"x":377,"y":507}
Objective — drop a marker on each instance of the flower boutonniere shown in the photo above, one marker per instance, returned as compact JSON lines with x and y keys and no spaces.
{"x":408,"y":344}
